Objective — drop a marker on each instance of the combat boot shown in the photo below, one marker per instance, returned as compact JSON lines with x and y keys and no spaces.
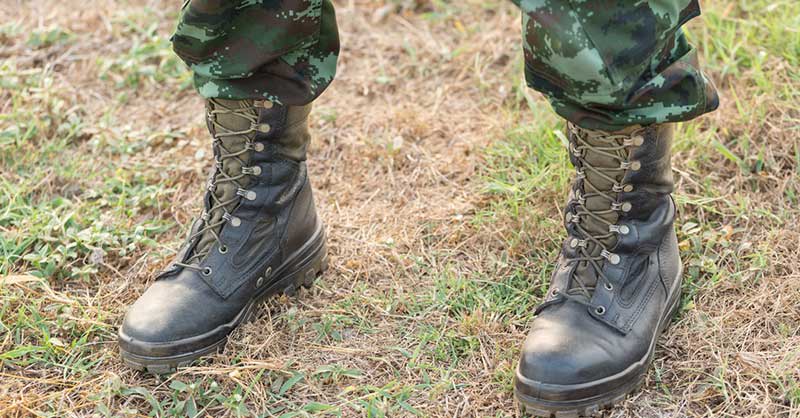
{"x":617,"y":281}
{"x":258,"y":236}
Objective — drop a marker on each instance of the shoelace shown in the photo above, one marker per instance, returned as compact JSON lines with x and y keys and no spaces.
{"x":618,"y":149}
{"x":221,"y":177}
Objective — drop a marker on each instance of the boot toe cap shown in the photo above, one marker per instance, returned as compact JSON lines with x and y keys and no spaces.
{"x":171,"y":319}
{"x":569,"y":355}
{"x":556,"y":356}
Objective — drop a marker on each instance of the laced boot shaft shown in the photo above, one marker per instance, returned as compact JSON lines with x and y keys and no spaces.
{"x":621,"y":177}
{"x":602,"y":161}
{"x":233,"y":125}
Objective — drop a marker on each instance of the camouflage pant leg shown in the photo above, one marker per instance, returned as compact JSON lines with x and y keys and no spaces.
{"x":281,"y":50}
{"x":607,"y":64}
{"x":602,"y":64}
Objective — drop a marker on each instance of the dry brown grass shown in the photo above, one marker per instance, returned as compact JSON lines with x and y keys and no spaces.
{"x":401,"y":170}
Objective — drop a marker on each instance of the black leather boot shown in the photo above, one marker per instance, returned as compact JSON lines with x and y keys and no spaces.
{"x":259,"y":236}
{"x":618,"y":278}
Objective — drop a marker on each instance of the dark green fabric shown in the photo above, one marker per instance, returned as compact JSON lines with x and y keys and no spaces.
{"x":280,"y":50}
{"x":602,"y":64}
{"x":608,"y":64}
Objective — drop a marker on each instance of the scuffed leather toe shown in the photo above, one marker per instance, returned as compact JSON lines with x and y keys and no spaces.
{"x":159,"y":319}
{"x":564,"y":347}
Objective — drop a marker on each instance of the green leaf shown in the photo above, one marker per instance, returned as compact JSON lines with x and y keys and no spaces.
{"x":317,"y":407}
{"x":727,"y":153}
{"x":178,"y":385}
{"x":290,"y":383}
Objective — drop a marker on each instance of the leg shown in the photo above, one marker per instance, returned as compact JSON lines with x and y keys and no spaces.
{"x":283,"y":51}
{"x":617,"y":70}
{"x":615,"y":63}
{"x":259,"y":67}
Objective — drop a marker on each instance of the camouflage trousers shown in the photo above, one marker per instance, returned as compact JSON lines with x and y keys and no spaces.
{"x":602,"y":64}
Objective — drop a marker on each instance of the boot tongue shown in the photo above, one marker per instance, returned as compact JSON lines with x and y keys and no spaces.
{"x":596,"y":203}
{"x":226,"y":117}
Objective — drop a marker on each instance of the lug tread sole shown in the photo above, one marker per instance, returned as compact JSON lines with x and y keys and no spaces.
{"x":591,"y":410}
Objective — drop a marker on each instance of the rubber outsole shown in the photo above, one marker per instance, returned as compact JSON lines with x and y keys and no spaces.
{"x":589,"y":410}
{"x":593,"y":407}
{"x":290,"y":284}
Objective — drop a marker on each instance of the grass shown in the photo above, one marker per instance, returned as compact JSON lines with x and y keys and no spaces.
{"x":440,"y":207}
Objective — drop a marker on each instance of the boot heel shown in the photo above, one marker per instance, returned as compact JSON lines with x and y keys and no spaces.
{"x":313,"y":268}
{"x":676,"y":304}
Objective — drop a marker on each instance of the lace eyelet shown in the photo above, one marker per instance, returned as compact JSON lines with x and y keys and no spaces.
{"x":258,"y":147}
{"x":247,"y":194}
{"x":252,"y":171}
{"x":235,"y":222}
{"x":600,"y":310}
{"x":207,"y":271}
{"x":635,"y":141}
{"x":619,"y":229}
{"x":223,"y":249}
{"x":608,"y":286}
{"x":263,"y":277}
{"x":630,"y":165}
{"x":266,"y":104}
{"x":624,"y":206}
{"x":263,"y":128}
{"x":554,"y":292}
{"x":611,"y":257}
{"x":575,"y":243}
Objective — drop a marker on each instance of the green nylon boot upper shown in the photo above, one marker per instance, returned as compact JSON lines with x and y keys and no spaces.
{"x":235,"y":123}
{"x":602,"y":164}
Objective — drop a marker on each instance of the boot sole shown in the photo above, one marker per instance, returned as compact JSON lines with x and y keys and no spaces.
{"x":299,"y":271}
{"x":592,"y":406}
